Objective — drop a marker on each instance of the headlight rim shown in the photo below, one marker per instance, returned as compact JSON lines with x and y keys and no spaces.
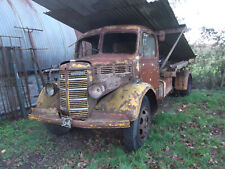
{"x":91,"y":90}
{"x":54,"y":87}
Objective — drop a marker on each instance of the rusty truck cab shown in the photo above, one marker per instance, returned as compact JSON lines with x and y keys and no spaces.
{"x":104,"y":85}
{"x":142,"y":44}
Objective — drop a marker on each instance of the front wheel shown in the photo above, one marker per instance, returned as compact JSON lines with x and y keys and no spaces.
{"x":56,"y":129}
{"x":139,"y":129}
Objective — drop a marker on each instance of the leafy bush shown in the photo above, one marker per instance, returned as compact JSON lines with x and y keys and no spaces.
{"x":209,"y":68}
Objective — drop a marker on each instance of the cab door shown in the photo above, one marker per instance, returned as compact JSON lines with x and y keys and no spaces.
{"x":149,"y":66}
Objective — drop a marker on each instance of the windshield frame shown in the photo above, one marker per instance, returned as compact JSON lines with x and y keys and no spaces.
{"x":122,"y":32}
{"x":77,"y":46}
{"x":101,"y":32}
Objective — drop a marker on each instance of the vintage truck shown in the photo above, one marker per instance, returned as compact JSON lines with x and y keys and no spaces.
{"x":118,"y":74}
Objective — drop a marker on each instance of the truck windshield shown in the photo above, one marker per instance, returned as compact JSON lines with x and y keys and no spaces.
{"x":87,"y":46}
{"x":119,"y":43}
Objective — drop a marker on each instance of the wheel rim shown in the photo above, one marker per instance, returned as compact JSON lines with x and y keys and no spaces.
{"x":144,"y":124}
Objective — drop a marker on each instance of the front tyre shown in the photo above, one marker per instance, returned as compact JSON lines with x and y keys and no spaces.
{"x":56,"y":129}
{"x":139,"y":130}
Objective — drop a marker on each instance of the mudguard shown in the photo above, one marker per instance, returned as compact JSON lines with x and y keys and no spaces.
{"x":45,"y":101}
{"x":125,"y":100}
{"x":181,"y":80}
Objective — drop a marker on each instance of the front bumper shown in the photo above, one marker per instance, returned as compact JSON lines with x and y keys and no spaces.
{"x":97,"y":119}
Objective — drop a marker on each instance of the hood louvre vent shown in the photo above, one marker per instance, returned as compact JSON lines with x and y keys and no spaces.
{"x":113,"y":69}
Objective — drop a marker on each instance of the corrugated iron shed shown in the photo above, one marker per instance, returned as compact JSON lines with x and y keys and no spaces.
{"x":86,"y":15}
{"x":55,"y":37}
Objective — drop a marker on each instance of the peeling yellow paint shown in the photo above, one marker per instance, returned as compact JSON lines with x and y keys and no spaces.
{"x":126,"y":99}
{"x":30,"y":117}
{"x":77,"y":65}
{"x":45,"y":101}
{"x":90,"y":76}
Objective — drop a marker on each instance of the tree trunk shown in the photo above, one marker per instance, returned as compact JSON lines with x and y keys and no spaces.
{"x":222,"y":79}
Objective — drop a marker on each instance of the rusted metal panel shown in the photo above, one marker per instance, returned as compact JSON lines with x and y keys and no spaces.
{"x":126,"y":100}
{"x":45,"y":101}
{"x":167,"y":85}
{"x":97,"y":120}
{"x":123,"y":103}
{"x":181,"y":80}
{"x":87,"y":15}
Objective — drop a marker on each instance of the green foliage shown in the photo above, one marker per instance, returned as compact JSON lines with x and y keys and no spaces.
{"x":209,"y":68}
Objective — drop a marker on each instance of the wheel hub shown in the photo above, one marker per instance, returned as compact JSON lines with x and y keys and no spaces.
{"x":144,"y":124}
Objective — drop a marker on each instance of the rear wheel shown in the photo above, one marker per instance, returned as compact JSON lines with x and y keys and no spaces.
{"x":56,"y":129}
{"x":189,"y":87}
{"x":183,"y":92}
{"x":139,"y":129}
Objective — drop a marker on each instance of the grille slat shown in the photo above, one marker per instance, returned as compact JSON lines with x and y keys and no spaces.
{"x":76,"y":92}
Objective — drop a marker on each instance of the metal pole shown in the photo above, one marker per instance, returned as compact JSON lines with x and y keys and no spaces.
{"x":172,"y":49}
{"x":36,"y":58}
{"x":18,"y":87}
{"x":35,"y":72}
{"x":30,"y":30}
{"x":26,"y":76}
{"x":1,"y":86}
{"x":8,"y":90}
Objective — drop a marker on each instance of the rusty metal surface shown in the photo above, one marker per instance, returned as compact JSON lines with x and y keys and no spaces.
{"x":97,"y":120}
{"x":167,"y":85}
{"x":88,"y":15}
{"x":181,"y":80}
{"x":126,"y":100}
{"x":150,"y":71}
{"x":113,"y":71}
{"x":45,"y":101}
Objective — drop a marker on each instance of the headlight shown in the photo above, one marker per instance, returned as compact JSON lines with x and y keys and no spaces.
{"x":96,"y":91}
{"x":50,"y":89}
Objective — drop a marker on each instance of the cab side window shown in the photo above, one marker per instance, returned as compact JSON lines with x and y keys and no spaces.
{"x":148,"y":46}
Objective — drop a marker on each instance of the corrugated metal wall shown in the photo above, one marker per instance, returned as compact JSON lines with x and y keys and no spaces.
{"x":55,"y":37}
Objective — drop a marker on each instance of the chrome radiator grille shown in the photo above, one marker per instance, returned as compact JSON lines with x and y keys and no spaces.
{"x":74,"y":94}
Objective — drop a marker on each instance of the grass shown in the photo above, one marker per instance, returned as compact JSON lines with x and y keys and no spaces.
{"x":188,"y":135}
{"x":19,"y":136}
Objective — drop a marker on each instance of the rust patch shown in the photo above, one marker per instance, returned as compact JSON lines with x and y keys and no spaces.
{"x":123,"y":102}
{"x":97,"y":120}
{"x":181,"y":80}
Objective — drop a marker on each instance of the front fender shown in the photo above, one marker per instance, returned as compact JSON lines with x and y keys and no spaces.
{"x":126,"y":99}
{"x":45,"y":101}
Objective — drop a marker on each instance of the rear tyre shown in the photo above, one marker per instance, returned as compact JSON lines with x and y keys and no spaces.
{"x":139,"y":130}
{"x":56,"y":129}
